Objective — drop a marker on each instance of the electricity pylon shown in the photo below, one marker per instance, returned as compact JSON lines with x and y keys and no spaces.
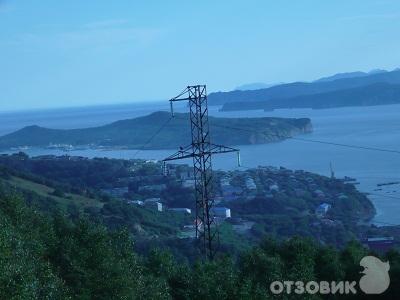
{"x":201,"y":151}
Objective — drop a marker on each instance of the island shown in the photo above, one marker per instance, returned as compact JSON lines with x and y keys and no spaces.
{"x":167,"y":133}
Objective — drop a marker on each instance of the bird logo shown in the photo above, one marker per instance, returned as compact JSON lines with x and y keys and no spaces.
{"x":376,"y":278}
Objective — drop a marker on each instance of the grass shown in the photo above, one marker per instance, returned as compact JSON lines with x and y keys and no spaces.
{"x":45,"y":191}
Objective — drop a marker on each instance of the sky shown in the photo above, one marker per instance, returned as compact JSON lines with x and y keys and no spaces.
{"x":77,"y":53}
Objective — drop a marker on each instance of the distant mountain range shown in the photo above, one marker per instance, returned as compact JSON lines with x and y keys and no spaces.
{"x":350,"y":75}
{"x":287,"y":95}
{"x":370,"y":95}
{"x":135,"y":133}
{"x":255,"y":86}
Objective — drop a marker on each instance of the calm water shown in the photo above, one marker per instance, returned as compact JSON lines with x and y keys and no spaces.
{"x":362,"y":126}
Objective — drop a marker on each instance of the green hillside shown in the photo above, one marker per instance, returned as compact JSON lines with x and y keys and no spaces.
{"x":135,"y":133}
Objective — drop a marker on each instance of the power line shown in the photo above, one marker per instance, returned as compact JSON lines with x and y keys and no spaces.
{"x":289,"y":137}
{"x":152,"y":137}
{"x":310,"y":140}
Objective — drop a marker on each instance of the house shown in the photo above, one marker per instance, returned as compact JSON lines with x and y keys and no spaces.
{"x":136,"y":202}
{"x":322,"y":209}
{"x":224,"y":181}
{"x":274,"y":188}
{"x":221,"y":212}
{"x":181,"y":210}
{"x":151,"y":161}
{"x":379,"y":244}
{"x":155,"y":205}
{"x":152,"y":200}
{"x":250,"y":184}
{"x":343,"y":197}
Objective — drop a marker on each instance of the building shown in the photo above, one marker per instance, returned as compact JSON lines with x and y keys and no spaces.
{"x":224,"y":181}
{"x":136,"y":202}
{"x":250,"y":184}
{"x":154,"y":203}
{"x":151,"y":161}
{"x":274,"y":188}
{"x":181,"y":210}
{"x":379,"y":244}
{"x":322,"y":209}
{"x":342,"y":196}
{"x":221,"y":212}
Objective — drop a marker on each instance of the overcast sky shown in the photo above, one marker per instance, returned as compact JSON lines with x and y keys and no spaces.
{"x":73,"y":52}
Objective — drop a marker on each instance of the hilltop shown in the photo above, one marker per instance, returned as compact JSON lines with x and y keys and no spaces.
{"x":296,"y":89}
{"x":376,"y":94}
{"x":135,"y":133}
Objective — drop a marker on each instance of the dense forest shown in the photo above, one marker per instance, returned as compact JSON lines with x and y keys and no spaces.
{"x":51,"y":257}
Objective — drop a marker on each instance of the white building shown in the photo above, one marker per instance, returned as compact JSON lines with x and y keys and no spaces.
{"x":274,"y":188}
{"x":136,"y":202}
{"x":322,"y":209}
{"x":181,"y":210}
{"x":221,"y":212}
{"x":250,"y":184}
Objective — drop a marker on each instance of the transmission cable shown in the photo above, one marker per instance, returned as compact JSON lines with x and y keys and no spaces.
{"x":153,"y":136}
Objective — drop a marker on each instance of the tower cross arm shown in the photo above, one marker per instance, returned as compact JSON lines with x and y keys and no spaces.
{"x":184,"y":152}
{"x":215,"y":149}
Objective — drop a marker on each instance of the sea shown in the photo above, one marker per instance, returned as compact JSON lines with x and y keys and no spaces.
{"x":363,"y":127}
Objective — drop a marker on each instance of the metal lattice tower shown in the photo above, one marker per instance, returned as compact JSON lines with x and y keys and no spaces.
{"x":201,"y":151}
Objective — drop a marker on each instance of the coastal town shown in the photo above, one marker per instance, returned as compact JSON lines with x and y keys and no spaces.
{"x":250,"y":202}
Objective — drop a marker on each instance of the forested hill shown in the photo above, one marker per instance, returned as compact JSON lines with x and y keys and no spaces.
{"x":296,"y":89}
{"x":62,"y":259}
{"x":134,"y":133}
{"x":376,"y":94}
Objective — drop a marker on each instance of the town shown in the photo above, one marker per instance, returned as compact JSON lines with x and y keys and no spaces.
{"x":248,"y":202}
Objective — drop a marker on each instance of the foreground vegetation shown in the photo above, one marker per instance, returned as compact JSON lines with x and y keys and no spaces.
{"x":52,"y":257}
